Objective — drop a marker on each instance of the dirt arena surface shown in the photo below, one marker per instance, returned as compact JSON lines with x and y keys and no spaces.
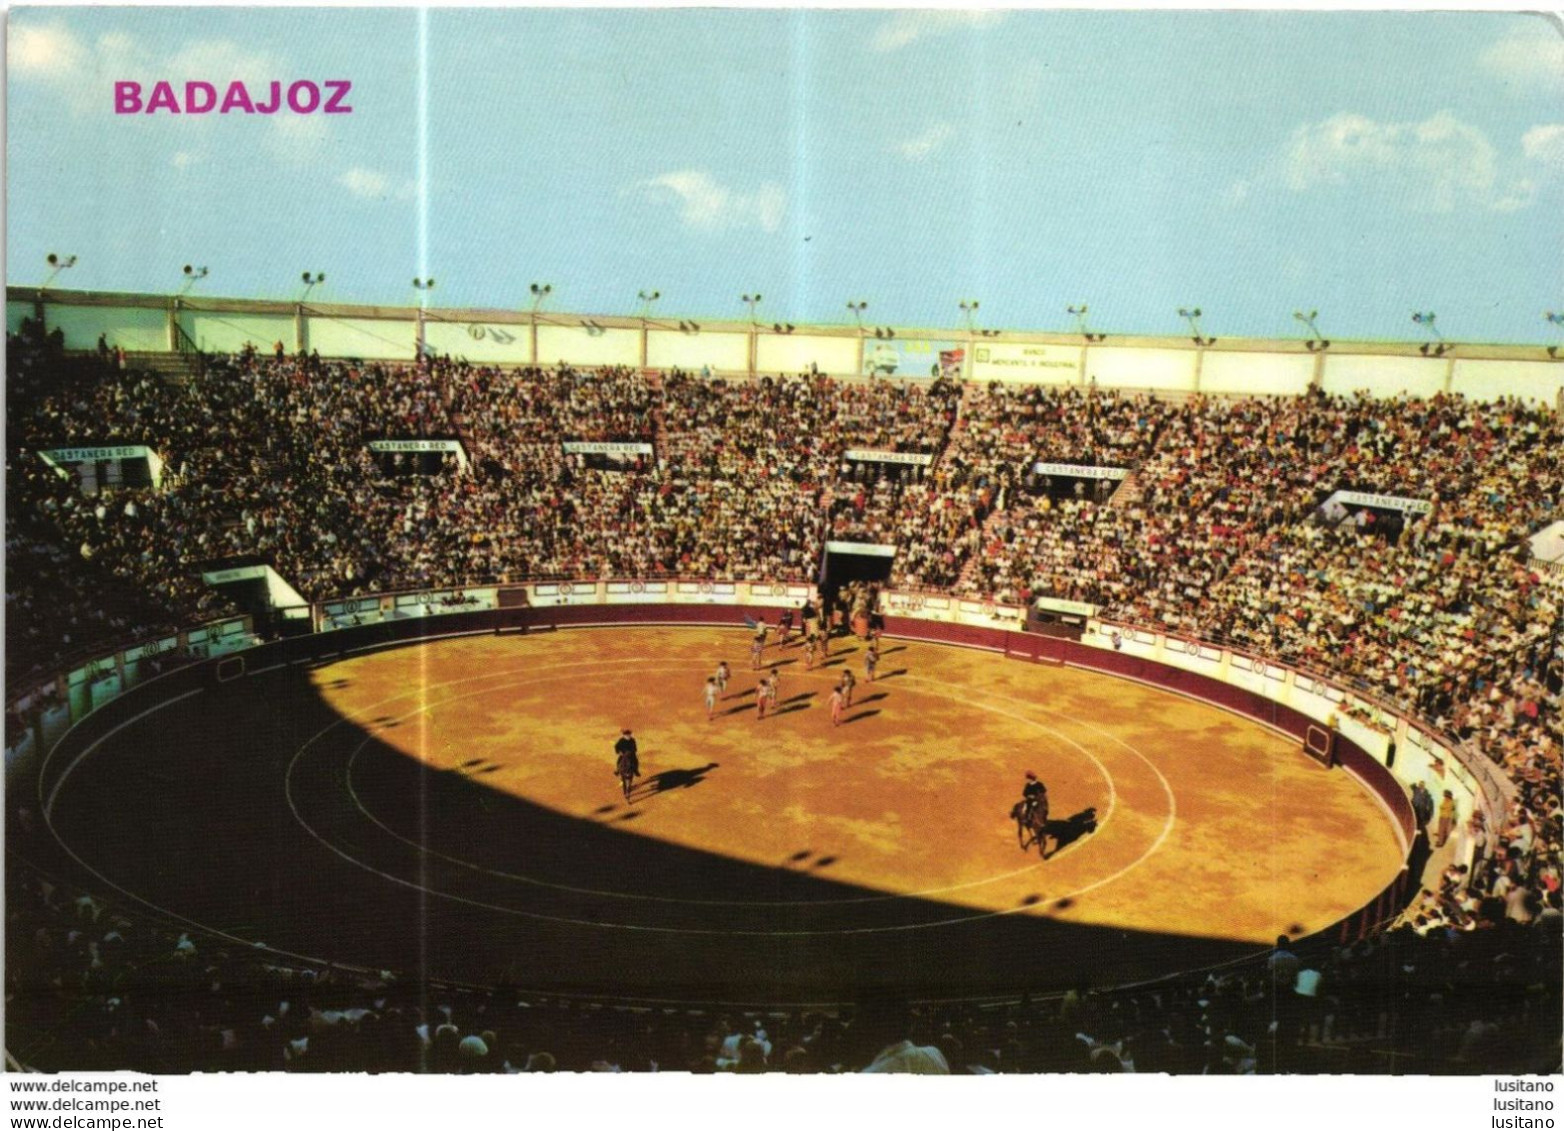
{"x":451,"y":808}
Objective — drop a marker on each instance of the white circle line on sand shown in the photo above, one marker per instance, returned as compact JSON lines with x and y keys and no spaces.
{"x":46,"y":807}
{"x":424,"y":889}
{"x":1167,"y":788}
{"x":564,"y":920}
{"x":641,"y":896}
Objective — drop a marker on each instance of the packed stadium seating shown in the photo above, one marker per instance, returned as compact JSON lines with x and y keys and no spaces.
{"x":1216,"y":532}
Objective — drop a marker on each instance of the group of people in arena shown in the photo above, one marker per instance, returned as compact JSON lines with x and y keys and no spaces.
{"x":1216,"y":529}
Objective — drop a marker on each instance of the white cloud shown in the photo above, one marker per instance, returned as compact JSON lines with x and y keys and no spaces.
{"x":365,"y":183}
{"x":1545,"y":145}
{"x":221,"y":61}
{"x":1530,"y":57}
{"x":706,"y":205}
{"x":920,"y":147}
{"x":1519,"y":195}
{"x":908,"y":27}
{"x":47,"y":51}
{"x":1437,"y":165}
{"x":371,"y":184}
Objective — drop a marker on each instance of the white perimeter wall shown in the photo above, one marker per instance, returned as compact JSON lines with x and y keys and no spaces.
{"x":669,"y":349}
{"x":1229,"y":372}
{"x":1126,"y":368}
{"x":135,"y":328}
{"x":793,"y":353}
{"x":1490,"y":380}
{"x":228,"y":333}
{"x":577,"y":345}
{"x":1384,"y":376}
{"x":387,"y":339}
{"x":14,"y":313}
{"x":480,"y":342}
{"x":1256,"y":373}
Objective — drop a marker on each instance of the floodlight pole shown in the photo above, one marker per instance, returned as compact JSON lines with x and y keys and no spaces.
{"x":423,"y":287}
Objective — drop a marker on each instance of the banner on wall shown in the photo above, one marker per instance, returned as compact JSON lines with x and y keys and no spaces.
{"x":865,"y":455}
{"x":1060,"y":605}
{"x":606,"y":448}
{"x":869,"y":549}
{"x":1342,"y":499}
{"x":912,"y":357}
{"x":118,"y":455}
{"x":453,"y":447}
{"x":1080,"y":471}
{"x":1018,"y":361}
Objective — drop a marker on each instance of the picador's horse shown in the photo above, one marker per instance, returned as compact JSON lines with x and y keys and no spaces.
{"x":1031,"y":825}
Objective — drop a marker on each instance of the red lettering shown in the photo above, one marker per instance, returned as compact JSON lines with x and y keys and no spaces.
{"x":308,"y":88}
{"x":239,"y":97}
{"x":127,"y":98}
{"x":192,"y":89}
{"x":163,"y":98}
{"x":339,"y":90}
{"x":270,"y":105}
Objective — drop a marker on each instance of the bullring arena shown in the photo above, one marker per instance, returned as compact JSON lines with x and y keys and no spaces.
{"x":465,"y":786}
{"x":342,"y":732}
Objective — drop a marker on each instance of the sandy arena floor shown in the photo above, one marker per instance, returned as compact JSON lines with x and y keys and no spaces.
{"x":449,"y":810}
{"x":1206,"y":824}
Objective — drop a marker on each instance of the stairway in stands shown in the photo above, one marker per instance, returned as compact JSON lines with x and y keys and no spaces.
{"x":970,"y":566}
{"x":958,"y":426}
{"x":654,"y":381}
{"x":1128,"y":493}
{"x":175,"y":366}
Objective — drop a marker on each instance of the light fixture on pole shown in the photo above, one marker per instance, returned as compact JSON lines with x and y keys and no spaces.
{"x":193,"y":275}
{"x":540,"y":291}
{"x":1080,"y":321}
{"x":423,"y":287}
{"x":647,"y":298}
{"x":969,"y":308}
{"x":1555,"y":318}
{"x":1193,"y":318}
{"x":59,"y":263}
{"x":858,"y":308}
{"x":312,"y":279}
{"x":1318,"y":342}
{"x":1437,"y":347}
{"x":751,"y":301}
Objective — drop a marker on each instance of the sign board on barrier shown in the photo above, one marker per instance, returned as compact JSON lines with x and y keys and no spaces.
{"x":1080,"y":471}
{"x":419,"y":446}
{"x":1385,"y":502}
{"x":870,"y":549}
{"x":606,"y":448}
{"x":1060,"y":605}
{"x":866,"y":455}
{"x":59,"y":458}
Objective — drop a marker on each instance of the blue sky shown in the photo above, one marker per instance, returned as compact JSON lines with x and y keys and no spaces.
{"x":1364,"y":164}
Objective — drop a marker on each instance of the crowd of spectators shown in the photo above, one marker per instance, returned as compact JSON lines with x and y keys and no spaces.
{"x":90,"y":986}
{"x":1218,"y":530}
{"x":1212,"y":524}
